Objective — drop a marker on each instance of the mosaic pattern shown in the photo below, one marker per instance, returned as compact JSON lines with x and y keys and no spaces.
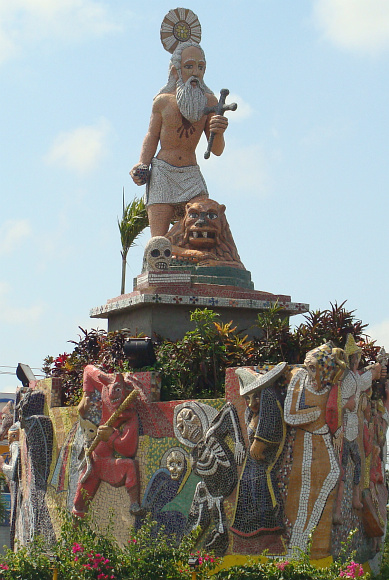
{"x":36,"y":447}
{"x":136,"y":299}
{"x":112,"y":459}
{"x":258,"y":472}
{"x":202,"y":430}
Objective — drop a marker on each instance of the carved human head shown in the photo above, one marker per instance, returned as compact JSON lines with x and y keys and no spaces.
{"x":157,"y":254}
{"x":175,"y":64}
{"x":189,"y":425}
{"x":175,"y":463}
{"x":89,"y":430}
{"x":14,"y":432}
{"x":325,"y":365}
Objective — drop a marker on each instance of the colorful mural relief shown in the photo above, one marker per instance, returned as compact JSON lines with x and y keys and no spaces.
{"x":113,"y":458}
{"x":263,"y":469}
{"x":204,"y":431}
{"x":259,"y":508}
{"x":315,"y":471}
{"x":11,"y":471}
{"x":36,"y":449}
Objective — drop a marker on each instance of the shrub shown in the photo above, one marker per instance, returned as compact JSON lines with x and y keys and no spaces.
{"x":194,"y":367}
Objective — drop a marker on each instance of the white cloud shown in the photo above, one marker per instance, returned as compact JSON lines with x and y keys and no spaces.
{"x":356,"y":25}
{"x":243,"y":111}
{"x":240,"y":169}
{"x":380,"y":333}
{"x":80,"y":149}
{"x":15,"y":314}
{"x":26,"y":22}
{"x":12,"y":232}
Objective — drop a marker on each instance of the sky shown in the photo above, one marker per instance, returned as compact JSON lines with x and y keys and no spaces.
{"x":304,"y":175}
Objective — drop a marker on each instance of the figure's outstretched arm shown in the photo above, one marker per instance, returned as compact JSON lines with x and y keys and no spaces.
{"x":227,"y":422}
{"x":294,"y":412}
{"x":150,"y":142}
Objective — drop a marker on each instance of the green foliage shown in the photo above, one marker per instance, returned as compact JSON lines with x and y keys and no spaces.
{"x":28,"y":563}
{"x":281,"y":343}
{"x":94,"y":347}
{"x":83,"y":554}
{"x":134,"y":221}
{"x":194,"y":367}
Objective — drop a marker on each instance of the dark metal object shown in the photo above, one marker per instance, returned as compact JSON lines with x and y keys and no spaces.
{"x":219,"y":109}
{"x":25,"y":374}
{"x":140,"y":352}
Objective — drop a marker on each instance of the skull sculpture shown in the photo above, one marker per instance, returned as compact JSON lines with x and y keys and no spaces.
{"x":157,"y":255}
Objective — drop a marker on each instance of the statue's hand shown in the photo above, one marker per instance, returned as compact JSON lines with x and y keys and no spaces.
{"x":239,"y":452}
{"x":256,"y":450}
{"x":104,"y":432}
{"x":337,"y":442}
{"x":137,"y":176}
{"x":218,"y":124}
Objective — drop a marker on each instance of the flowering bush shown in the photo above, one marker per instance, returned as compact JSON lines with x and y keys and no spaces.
{"x":92,"y":564}
{"x":353,"y":570}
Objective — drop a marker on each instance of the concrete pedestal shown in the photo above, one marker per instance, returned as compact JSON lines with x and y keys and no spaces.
{"x":162,"y":302}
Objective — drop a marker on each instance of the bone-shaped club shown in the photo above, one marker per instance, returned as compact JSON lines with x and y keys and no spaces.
{"x":219,"y":109}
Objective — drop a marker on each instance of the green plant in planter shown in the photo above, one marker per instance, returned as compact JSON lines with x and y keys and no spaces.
{"x":28,"y":563}
{"x":194,"y":367}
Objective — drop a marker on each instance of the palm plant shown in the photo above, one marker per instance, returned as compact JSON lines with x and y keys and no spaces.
{"x":134,"y":221}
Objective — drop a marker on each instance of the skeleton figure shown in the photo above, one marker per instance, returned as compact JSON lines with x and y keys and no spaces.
{"x":89,"y":432}
{"x":201,"y":428}
{"x":157,"y":254}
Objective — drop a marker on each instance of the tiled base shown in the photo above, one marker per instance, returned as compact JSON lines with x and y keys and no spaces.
{"x":163,"y":301}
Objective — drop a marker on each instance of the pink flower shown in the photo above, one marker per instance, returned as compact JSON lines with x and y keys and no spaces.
{"x":282,"y":565}
{"x":4,"y":567}
{"x":77,"y":548}
{"x":353,"y":570}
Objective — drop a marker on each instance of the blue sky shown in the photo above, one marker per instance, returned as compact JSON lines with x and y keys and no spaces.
{"x":304,"y":176}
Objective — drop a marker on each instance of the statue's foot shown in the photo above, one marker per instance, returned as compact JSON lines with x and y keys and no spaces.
{"x":217,"y":541}
{"x":337,"y":520}
{"x":356,"y":502}
{"x":137,"y":510}
{"x":357,"y":505}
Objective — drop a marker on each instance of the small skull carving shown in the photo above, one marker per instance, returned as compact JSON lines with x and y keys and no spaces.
{"x":157,"y":255}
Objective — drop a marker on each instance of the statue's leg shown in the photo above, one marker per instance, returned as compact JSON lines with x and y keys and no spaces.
{"x":84,"y":494}
{"x":160,"y":216}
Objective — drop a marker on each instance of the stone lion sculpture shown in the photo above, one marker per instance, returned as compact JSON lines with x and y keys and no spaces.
{"x":203,"y":236}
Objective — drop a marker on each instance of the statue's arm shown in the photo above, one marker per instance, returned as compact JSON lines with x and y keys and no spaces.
{"x":216,"y":124}
{"x":151,"y":140}
{"x":293,"y":413}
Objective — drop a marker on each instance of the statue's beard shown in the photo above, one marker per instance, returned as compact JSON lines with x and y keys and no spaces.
{"x":191,"y":101}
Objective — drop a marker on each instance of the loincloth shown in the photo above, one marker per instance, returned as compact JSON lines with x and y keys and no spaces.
{"x":174,"y":185}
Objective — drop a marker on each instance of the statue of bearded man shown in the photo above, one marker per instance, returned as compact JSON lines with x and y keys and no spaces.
{"x":177,"y":122}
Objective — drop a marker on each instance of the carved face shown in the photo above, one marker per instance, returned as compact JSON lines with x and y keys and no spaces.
{"x":253,"y":401}
{"x":114,"y":394}
{"x":175,"y":463}
{"x":192,"y":63}
{"x":189,"y":425}
{"x":13,"y":436}
{"x":158,"y":254}
{"x":202,"y":224}
{"x":89,"y":430}
{"x":311,"y":364}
